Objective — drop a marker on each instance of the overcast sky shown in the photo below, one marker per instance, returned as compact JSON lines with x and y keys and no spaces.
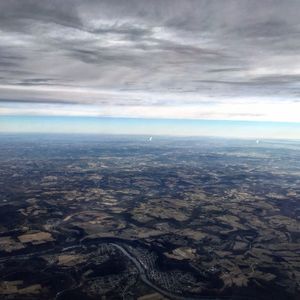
{"x":229,"y":60}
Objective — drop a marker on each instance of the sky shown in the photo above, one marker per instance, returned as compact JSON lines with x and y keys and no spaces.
{"x":233,"y":60}
{"x":150,"y":127}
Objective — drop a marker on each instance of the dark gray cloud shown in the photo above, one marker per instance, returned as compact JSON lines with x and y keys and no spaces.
{"x":150,"y":53}
{"x":32,"y":101}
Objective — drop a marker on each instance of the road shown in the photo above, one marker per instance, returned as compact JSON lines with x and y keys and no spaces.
{"x":135,"y":261}
{"x":145,"y":279}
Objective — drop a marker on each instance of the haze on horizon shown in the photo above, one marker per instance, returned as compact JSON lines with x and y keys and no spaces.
{"x":203,"y":59}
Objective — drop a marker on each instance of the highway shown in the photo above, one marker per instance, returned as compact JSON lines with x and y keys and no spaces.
{"x":135,"y":261}
{"x":145,"y":279}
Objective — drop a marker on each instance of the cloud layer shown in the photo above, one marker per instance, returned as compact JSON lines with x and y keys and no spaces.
{"x":168,"y":59}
